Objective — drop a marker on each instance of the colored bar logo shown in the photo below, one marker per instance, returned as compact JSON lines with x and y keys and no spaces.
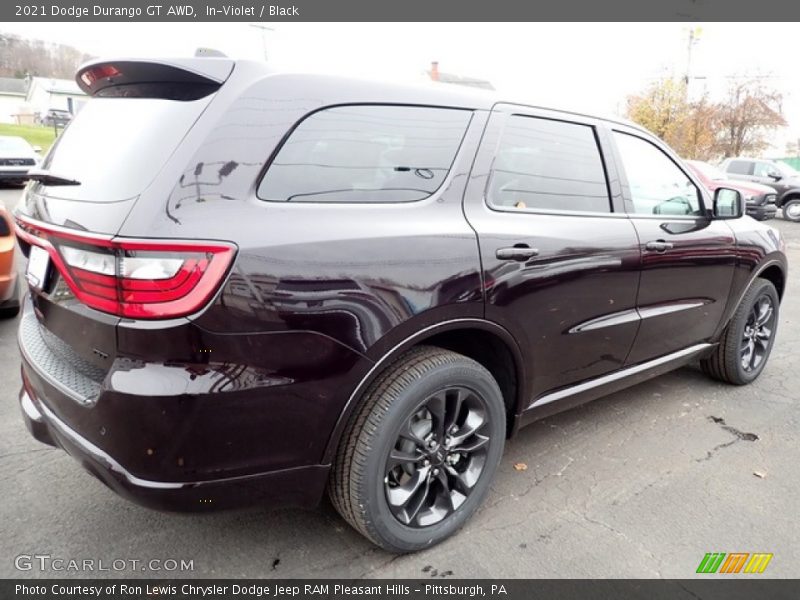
{"x":735,"y":562}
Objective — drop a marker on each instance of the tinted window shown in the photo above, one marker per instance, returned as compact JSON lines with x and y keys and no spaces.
{"x":116,"y":146}
{"x":763,"y":169}
{"x":366,"y":154}
{"x":657,"y":185}
{"x":551,"y":165}
{"x":740,"y":167}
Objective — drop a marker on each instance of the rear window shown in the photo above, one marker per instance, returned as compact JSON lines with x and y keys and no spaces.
{"x":116,"y":146}
{"x":366,"y":153}
{"x":542,"y":164}
{"x":10,"y":145}
{"x":740,"y":167}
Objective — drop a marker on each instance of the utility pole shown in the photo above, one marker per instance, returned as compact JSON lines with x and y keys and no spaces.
{"x":694,"y":37}
{"x":264,"y":29}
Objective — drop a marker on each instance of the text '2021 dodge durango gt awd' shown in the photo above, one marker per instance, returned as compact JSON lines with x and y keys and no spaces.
{"x":253,"y":287}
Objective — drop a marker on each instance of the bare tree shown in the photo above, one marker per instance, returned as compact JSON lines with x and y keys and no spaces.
{"x":750,"y":112}
{"x":20,"y":57}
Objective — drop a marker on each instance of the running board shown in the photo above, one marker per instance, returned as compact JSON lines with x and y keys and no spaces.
{"x":595,"y":388}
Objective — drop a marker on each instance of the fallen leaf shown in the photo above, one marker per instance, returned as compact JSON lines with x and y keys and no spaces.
{"x":520,"y":467}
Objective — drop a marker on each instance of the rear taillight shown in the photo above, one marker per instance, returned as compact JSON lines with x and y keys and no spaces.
{"x":142,"y":279}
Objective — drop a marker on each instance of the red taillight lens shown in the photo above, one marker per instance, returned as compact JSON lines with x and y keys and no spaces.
{"x":140,"y":279}
{"x":99,"y":72}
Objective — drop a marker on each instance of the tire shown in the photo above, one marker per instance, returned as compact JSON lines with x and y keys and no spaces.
{"x":791,"y":210}
{"x":9,"y":312}
{"x":729,"y":360}
{"x":400,"y":405}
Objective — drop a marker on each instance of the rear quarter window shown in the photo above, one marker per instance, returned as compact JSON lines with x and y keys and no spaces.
{"x":365,"y":154}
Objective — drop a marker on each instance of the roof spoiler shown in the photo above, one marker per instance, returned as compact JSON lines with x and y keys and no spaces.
{"x":179,"y":79}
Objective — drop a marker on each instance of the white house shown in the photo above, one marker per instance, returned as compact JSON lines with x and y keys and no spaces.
{"x":64,"y":94}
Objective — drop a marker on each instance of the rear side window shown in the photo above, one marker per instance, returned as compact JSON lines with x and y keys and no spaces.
{"x":548,"y":165}
{"x":366,"y":153}
{"x":740,"y":167}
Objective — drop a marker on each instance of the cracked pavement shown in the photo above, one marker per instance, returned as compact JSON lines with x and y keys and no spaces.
{"x":639,"y":484}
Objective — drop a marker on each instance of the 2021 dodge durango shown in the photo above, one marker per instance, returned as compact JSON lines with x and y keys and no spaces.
{"x":255,"y":287}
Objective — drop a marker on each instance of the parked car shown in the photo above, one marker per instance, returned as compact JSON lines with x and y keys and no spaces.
{"x":775,"y":174}
{"x":759,"y":199}
{"x":56,"y":117}
{"x":17,"y":157}
{"x":279,"y":284}
{"x":9,"y":284}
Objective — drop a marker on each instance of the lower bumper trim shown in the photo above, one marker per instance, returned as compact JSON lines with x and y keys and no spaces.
{"x":300,"y":486}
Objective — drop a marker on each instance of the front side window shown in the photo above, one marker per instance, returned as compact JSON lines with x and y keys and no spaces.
{"x":548,"y":165}
{"x":657,"y":185}
{"x":366,"y":153}
{"x":764,"y":169}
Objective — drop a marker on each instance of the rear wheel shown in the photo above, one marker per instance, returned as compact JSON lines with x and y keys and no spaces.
{"x":11,"y":307}
{"x":747,"y":342}
{"x":418,"y":458}
{"x":791,"y":210}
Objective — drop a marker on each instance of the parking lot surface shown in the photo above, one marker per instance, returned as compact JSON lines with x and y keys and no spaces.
{"x":642,"y":483}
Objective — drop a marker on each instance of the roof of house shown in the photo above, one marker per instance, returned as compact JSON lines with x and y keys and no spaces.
{"x":59,"y":86}
{"x":10,"y":86}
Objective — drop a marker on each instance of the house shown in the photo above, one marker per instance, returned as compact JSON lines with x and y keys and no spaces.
{"x":23,"y":101}
{"x":436,"y":75}
{"x":13,"y":94}
{"x":45,"y":93}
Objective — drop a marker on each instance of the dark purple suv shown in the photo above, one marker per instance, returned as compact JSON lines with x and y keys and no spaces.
{"x":253,"y":287}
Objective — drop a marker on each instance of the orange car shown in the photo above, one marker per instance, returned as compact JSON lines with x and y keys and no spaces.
{"x":9,"y":286}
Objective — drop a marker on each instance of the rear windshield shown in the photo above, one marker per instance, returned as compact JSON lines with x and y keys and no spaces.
{"x":14,"y":145}
{"x":115,"y":146}
{"x":370,"y":153}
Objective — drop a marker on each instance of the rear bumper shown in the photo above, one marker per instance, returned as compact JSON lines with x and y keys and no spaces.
{"x":15,"y":175}
{"x":302,"y":486}
{"x":187,"y":436}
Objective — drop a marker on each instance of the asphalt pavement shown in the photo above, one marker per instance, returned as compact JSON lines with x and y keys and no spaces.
{"x":642,"y":483}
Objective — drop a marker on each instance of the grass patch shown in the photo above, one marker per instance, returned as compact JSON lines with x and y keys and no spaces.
{"x":36,"y":135}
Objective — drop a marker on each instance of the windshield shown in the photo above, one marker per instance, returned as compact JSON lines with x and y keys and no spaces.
{"x":11,"y":145}
{"x":116,"y":146}
{"x":707,"y":171}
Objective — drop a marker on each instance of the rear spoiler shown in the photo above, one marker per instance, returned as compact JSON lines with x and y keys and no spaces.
{"x":179,"y":79}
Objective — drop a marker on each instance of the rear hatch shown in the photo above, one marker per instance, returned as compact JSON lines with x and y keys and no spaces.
{"x":83,"y":279}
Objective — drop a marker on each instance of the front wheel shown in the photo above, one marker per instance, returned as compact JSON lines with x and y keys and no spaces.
{"x":791,"y":210}
{"x":747,"y":342}
{"x":418,"y":458}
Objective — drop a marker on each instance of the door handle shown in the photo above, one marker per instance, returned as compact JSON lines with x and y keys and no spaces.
{"x":518,"y":252}
{"x":659,"y":246}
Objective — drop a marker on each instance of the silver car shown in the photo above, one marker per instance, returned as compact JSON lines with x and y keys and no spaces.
{"x":17,"y":157}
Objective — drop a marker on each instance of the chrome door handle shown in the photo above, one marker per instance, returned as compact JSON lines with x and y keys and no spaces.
{"x":659,"y":246}
{"x":518,"y":252}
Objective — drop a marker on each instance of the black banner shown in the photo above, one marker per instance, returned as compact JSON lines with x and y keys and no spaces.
{"x":421,"y":589}
{"x":407,"y":10}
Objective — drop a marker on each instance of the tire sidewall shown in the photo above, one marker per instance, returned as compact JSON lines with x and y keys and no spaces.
{"x":397,"y":536}
{"x":795,"y":202}
{"x":760,"y":289}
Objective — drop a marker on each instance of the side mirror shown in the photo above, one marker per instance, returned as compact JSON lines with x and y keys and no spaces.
{"x":775,"y":175}
{"x":37,"y":149}
{"x":728,"y":204}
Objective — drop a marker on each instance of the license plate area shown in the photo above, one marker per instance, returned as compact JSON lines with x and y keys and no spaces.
{"x":38,"y":267}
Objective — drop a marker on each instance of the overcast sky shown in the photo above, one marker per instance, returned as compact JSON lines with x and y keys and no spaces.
{"x":588,"y":66}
